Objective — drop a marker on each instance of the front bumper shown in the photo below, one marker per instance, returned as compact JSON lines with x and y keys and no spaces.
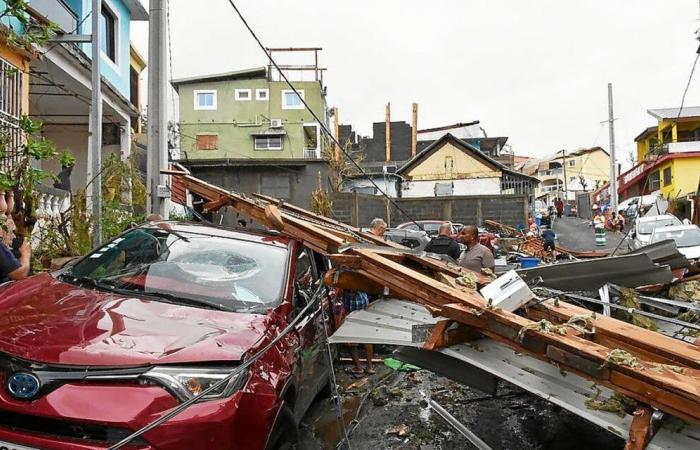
{"x":96,"y":416}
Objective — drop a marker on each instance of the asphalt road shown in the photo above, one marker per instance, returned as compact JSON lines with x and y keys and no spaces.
{"x":577,"y":234}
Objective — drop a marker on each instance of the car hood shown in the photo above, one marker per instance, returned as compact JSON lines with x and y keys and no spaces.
{"x":45,"y":320}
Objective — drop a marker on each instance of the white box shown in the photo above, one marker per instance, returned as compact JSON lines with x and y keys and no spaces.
{"x":508,"y":292}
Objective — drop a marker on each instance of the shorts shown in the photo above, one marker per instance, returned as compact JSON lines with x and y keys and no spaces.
{"x":355,"y":300}
{"x":549,"y":246}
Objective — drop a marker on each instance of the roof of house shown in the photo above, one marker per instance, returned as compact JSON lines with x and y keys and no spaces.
{"x":675,"y":113}
{"x":257,"y":72}
{"x":136,"y":10}
{"x":449,"y":127}
{"x":646,"y":133}
{"x":464,"y":146}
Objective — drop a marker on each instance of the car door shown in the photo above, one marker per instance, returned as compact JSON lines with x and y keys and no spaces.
{"x":310,"y":353}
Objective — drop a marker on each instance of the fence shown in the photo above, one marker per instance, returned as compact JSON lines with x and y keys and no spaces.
{"x":583,"y":206}
{"x":360,"y":209}
{"x":10,"y":113}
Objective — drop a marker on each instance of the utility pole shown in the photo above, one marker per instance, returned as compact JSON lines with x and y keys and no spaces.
{"x":414,"y":126}
{"x":387,"y":133}
{"x":566,"y":184}
{"x":613,"y":162}
{"x":336,"y":125}
{"x":95,"y":152}
{"x":157,"y":156}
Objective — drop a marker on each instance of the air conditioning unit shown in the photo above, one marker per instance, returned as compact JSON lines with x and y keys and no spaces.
{"x":276,"y":123}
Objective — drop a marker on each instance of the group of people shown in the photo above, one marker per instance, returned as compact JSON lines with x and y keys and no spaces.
{"x":608,"y":220}
{"x":475,"y":256}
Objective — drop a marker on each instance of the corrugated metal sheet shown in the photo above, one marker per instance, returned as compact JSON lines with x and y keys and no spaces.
{"x":392,"y":321}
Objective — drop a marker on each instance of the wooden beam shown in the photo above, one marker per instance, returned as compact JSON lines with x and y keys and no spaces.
{"x":640,"y":430}
{"x":414,"y":130}
{"x":387,"y":133}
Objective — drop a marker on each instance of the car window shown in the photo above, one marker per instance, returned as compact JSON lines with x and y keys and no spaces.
{"x":431,"y":228}
{"x":305,"y":274}
{"x":649,"y":227}
{"x":228,"y":273}
{"x":412,"y":227}
{"x":683,"y":238}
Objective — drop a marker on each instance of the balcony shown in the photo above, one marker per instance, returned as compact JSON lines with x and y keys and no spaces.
{"x":312,"y":153}
{"x":55,"y":11}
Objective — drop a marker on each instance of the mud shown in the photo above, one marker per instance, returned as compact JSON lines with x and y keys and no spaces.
{"x":392,"y":413}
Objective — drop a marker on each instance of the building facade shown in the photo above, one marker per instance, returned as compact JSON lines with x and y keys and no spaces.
{"x":668,"y":156}
{"x":249,"y":114}
{"x":566,"y":174}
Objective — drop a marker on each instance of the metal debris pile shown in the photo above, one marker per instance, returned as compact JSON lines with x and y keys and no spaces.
{"x":609,"y":352}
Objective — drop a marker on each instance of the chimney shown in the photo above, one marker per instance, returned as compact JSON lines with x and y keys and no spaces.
{"x":414,"y":134}
{"x":387,"y":132}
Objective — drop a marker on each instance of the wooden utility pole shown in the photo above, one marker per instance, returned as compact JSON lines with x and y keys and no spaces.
{"x":336,"y":148}
{"x":613,"y":161}
{"x":566,"y":188}
{"x":387,"y":132}
{"x":414,"y":137}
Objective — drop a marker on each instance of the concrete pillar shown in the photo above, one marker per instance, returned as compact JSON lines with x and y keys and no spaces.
{"x":479,"y":213}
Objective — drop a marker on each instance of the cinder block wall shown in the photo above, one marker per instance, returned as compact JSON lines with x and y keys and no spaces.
{"x":360,"y":209}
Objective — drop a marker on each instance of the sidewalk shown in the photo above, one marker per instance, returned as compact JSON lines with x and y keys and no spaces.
{"x":576,"y":234}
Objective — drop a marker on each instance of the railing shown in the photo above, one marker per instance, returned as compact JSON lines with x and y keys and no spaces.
{"x":11,"y":90}
{"x":51,"y":202}
{"x":56,"y":11}
{"x":312,"y":153}
{"x":550,"y":172}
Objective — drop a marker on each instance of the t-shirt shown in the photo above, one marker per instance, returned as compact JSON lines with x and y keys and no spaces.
{"x":8,"y":263}
{"x":477,"y":257}
{"x":548,"y":236}
{"x":444,"y":245}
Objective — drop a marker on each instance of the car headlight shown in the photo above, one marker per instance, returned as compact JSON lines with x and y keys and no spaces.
{"x":188,"y":382}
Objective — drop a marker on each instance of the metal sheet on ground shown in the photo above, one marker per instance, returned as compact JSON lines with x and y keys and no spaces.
{"x":568,"y":391}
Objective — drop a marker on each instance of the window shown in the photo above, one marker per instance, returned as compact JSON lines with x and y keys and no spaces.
{"x":312,"y":140}
{"x":268,"y":142}
{"x":108,"y":33}
{"x":262,"y":95}
{"x":243,"y":95}
{"x":449,"y":163}
{"x":667,"y":176}
{"x":654,"y":182}
{"x":205,"y":100}
{"x":443,"y":189}
{"x":572,"y":162}
{"x":292,"y":101}
{"x":207,"y":141}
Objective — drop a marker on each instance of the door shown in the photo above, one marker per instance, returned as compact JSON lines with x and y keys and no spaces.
{"x":310,"y":353}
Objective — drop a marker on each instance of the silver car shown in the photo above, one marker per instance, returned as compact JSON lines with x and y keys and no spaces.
{"x":644,"y":227}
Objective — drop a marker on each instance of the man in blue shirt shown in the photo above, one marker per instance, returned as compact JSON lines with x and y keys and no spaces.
{"x":12,"y":268}
{"x":548,"y":237}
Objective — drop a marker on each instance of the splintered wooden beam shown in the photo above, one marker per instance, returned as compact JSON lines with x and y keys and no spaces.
{"x":646,"y":366}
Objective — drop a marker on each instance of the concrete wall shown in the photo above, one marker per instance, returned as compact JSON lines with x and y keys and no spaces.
{"x":293,"y":183}
{"x":359,"y":210}
{"x":234,"y":120}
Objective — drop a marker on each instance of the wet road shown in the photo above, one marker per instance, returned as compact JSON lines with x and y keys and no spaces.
{"x":577,"y":234}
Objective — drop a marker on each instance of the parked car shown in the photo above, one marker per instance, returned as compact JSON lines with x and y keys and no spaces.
{"x":687,"y":239}
{"x":644,"y":227}
{"x":94,"y":352}
{"x":431,"y":227}
{"x":416,"y":240}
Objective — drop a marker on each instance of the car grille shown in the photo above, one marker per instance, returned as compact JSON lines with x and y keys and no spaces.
{"x":54,"y":428}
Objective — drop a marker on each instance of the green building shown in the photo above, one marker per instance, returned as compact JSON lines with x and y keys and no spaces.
{"x":248,"y":115}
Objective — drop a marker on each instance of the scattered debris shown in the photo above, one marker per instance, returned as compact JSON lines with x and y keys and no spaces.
{"x":399,"y":430}
{"x":400,"y":365}
{"x":660,"y":368}
{"x":630,"y":299}
{"x":468,"y":280}
{"x":623,"y":358}
{"x":688,"y":291}
{"x":617,"y":403}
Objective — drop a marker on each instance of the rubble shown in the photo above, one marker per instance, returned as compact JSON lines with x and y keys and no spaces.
{"x":616,"y":356}
{"x":688,"y":291}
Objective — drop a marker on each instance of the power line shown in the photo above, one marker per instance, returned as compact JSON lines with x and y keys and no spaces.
{"x":313,"y":114}
{"x":687,"y":86}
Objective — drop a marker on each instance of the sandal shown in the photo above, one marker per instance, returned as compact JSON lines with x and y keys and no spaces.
{"x":357,"y":373}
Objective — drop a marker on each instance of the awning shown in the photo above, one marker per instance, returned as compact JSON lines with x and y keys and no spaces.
{"x":270,"y":132}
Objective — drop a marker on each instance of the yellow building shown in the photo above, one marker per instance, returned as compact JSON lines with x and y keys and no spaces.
{"x":668,"y":156}
{"x":582,"y":170}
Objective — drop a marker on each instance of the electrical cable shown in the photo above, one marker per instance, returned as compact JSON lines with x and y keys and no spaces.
{"x":224,"y":381}
{"x":687,"y":86}
{"x":313,"y":114}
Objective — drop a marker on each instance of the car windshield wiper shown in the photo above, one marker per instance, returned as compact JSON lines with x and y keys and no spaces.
{"x":172,"y":298}
{"x":82,"y":280}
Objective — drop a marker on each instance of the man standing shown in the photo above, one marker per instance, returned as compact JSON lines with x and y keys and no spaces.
{"x":443,"y":244}
{"x":10,"y":267}
{"x":476,"y":256}
{"x":359,"y":300}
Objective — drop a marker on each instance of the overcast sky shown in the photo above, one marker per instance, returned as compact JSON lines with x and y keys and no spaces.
{"x":535,"y":71}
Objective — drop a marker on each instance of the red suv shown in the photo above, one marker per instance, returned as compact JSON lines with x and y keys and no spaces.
{"x":94,"y":352}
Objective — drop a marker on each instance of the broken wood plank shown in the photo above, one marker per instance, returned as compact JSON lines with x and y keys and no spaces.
{"x":640,"y":430}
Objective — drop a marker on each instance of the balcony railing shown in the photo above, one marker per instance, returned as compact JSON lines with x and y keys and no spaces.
{"x":312,"y":153}
{"x":550,"y":172}
{"x":56,"y":11}
{"x":11,"y":92}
